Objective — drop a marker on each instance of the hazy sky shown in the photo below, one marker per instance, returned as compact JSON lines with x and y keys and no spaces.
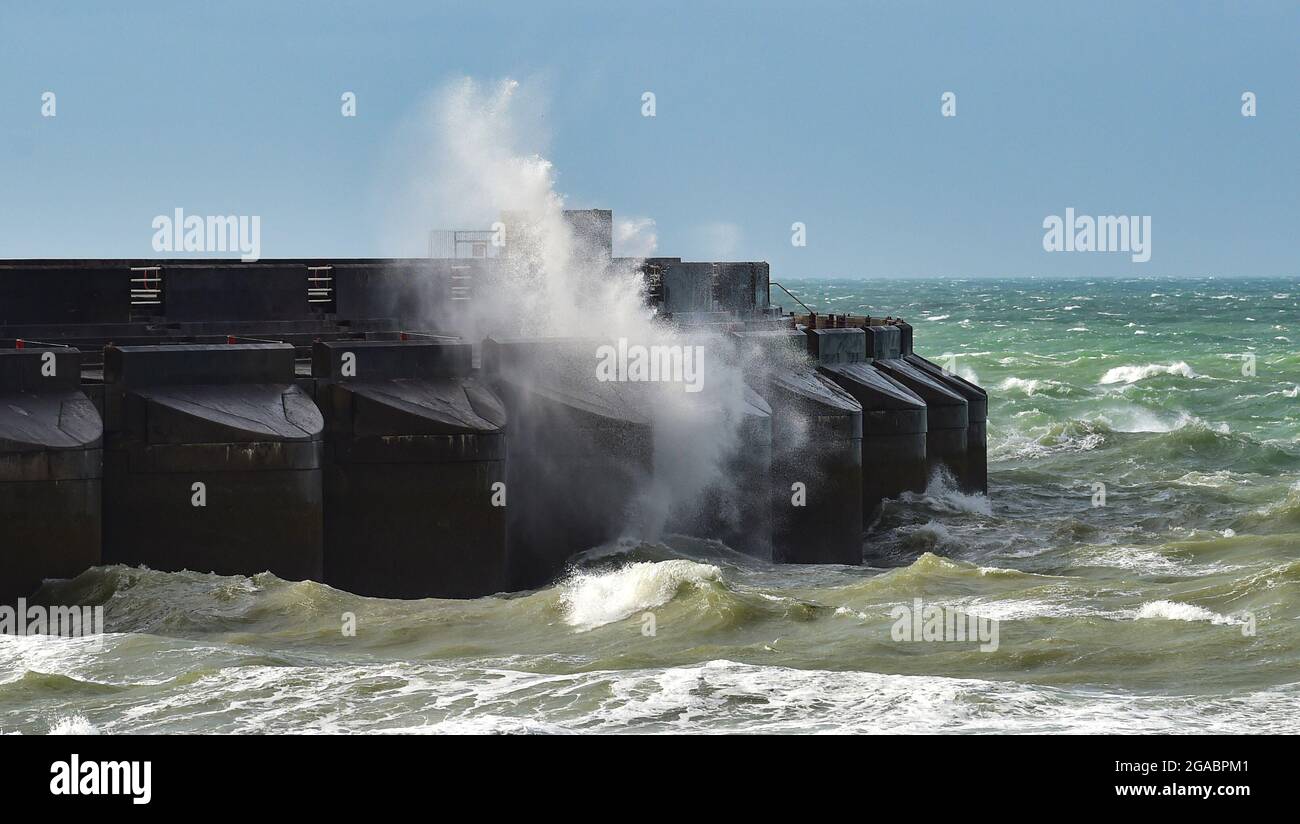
{"x":766,"y":114}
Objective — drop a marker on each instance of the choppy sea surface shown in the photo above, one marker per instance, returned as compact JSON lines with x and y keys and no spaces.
{"x":1175,"y":607}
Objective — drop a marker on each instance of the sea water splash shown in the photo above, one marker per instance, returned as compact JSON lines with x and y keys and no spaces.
{"x":73,"y":725}
{"x":594,"y":599}
{"x":475,"y":160}
{"x":943,"y":494}
{"x":472,"y":157}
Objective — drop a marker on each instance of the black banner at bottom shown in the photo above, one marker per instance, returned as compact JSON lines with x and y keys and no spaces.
{"x":140,"y":774}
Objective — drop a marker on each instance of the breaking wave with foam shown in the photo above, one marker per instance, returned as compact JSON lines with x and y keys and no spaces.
{"x":1133,"y":374}
{"x":594,"y":599}
{"x":1175,"y":611}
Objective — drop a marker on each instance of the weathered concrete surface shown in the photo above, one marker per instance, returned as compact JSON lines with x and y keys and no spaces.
{"x":893,"y":434}
{"x":816,"y":488}
{"x":946,"y":414}
{"x":415,"y":444}
{"x":228,"y":418}
{"x":884,"y":342}
{"x":976,"y":477}
{"x":51,"y":465}
{"x":894,"y":342}
{"x":893,"y":417}
{"x":686,"y":287}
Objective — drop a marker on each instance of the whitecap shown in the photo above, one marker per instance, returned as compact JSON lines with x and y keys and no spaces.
{"x":943,"y":494}
{"x":73,"y":725}
{"x":1178,"y":611}
{"x":594,"y":599}
{"x":1132,"y":374}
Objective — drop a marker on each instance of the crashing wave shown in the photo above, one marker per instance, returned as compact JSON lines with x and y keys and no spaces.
{"x":594,"y":599}
{"x":1133,"y":374}
{"x":1178,"y":611}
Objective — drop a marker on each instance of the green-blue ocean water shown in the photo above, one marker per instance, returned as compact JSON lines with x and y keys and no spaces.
{"x":1175,"y":606}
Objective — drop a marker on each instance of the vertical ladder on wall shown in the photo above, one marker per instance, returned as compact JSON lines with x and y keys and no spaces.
{"x":146,"y":294}
{"x":654,"y":283}
{"x":320,"y":289}
{"x":462,"y":283}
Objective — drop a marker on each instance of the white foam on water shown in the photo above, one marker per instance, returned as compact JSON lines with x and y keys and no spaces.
{"x":73,"y":725}
{"x":594,"y":599}
{"x":1029,"y":387}
{"x":993,"y":570}
{"x":1132,"y":374}
{"x":1178,"y":611}
{"x":1151,"y":562}
{"x":861,"y":616}
{"x":1137,"y":419}
{"x":1033,"y":386}
{"x":1218,"y":479}
{"x":1019,"y":609}
{"x":1145,"y":561}
{"x":713,"y":697}
{"x":74,"y":657}
{"x":725,"y":696}
{"x":943,"y":495}
{"x":1018,"y":446}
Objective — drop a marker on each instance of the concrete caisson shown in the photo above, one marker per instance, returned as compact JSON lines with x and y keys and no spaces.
{"x":578,"y":452}
{"x":212,"y":461}
{"x":51,"y":465}
{"x":976,"y":477}
{"x":415,"y":502}
{"x":816,"y":490}
{"x":946,"y":420}
{"x":893,"y":417}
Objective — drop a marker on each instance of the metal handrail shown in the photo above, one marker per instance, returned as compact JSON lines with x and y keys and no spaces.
{"x":772,"y":283}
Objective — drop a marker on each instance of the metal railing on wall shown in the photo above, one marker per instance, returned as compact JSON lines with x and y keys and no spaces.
{"x":462,"y":244}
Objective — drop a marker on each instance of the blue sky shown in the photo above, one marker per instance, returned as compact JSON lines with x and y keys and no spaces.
{"x":767,"y":114}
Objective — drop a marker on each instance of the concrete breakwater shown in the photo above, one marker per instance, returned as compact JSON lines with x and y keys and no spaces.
{"x":217,"y":416}
{"x":411,"y":473}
